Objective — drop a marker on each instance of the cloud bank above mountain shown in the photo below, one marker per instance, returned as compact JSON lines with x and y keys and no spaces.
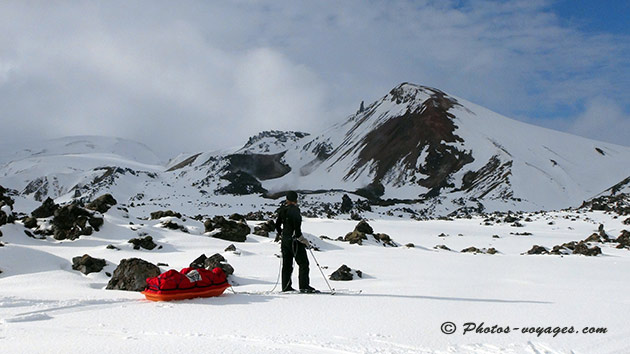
{"x":198,"y":76}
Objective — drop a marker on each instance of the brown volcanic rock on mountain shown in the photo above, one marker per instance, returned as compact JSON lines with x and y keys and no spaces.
{"x":405,"y":137}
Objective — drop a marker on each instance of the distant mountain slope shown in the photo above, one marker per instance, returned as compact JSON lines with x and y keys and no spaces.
{"x":78,"y":165}
{"x":418,"y":143}
{"x":417,"y":147}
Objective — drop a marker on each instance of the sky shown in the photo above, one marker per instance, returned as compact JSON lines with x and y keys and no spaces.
{"x":195,"y":76}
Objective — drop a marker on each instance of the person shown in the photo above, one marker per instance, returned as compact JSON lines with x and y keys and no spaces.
{"x":293,"y":244}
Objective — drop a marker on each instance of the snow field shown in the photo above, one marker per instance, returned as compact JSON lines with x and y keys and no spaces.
{"x":408,"y":293}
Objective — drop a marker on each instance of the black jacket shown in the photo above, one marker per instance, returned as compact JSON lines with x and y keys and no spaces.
{"x":289,"y":222}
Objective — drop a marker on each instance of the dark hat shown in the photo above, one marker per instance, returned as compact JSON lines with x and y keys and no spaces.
{"x":292,"y":196}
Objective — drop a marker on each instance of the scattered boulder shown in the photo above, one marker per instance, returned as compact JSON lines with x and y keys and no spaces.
{"x":144,"y":242}
{"x":29,"y":222}
{"x":385,"y":239}
{"x":5,"y":199}
{"x":602,"y":234}
{"x":345,"y":273}
{"x":237,"y":217}
{"x":86,"y":264}
{"x":360,"y":234}
{"x":70,"y":222}
{"x":112,"y":247}
{"x":510,"y":219}
{"x":565,"y":248}
{"x":230,"y":248}
{"x":208,"y":225}
{"x":410,"y":245}
{"x":573,"y":247}
{"x":355,"y":216}
{"x":355,"y":237}
{"x":583,"y":248}
{"x":46,"y":210}
{"x":230,"y":230}
{"x":476,"y":250}
{"x":346,"y":204}
{"x":102,"y":203}
{"x":364,"y":227}
{"x":626,"y":221}
{"x":6,"y":207}
{"x":4,"y":218}
{"x":216,"y":260}
{"x":536,"y":249}
{"x":131,"y":275}
{"x":594,"y":238}
{"x":171,"y":225}
{"x":442,"y":247}
{"x":623,"y":239}
{"x":265,"y":228}
{"x":164,"y":213}
{"x":255,"y":216}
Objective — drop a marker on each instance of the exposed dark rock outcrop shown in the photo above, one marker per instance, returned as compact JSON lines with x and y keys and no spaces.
{"x":364,"y":227}
{"x":102,"y":203}
{"x":131,"y":275}
{"x":164,"y":213}
{"x":241,"y":183}
{"x":536,"y":249}
{"x":229,"y":230}
{"x":623,"y":239}
{"x":573,"y":247}
{"x":361,"y":232}
{"x":172,"y":225}
{"x":476,"y":250}
{"x":265,"y":229}
{"x":260,"y":166}
{"x":6,"y":207}
{"x":86,"y":264}
{"x":47,"y":209}
{"x":216,"y":260}
{"x":344,"y":273}
{"x":144,"y":242}
{"x":29,"y":222}
{"x":346,"y":204}
{"x":71,"y":221}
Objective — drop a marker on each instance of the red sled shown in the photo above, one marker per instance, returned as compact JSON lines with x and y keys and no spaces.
{"x":187,"y":284}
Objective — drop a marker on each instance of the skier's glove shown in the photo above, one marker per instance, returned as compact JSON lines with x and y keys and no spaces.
{"x":303,"y":240}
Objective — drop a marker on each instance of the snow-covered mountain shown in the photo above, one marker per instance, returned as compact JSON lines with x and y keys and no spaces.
{"x":77,"y":166}
{"x":416,"y":146}
{"x":421,"y":145}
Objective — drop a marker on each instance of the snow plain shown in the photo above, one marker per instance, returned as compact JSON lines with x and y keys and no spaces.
{"x":407,"y":293}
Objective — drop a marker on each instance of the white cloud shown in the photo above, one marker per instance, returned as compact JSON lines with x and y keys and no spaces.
{"x":603,"y":120}
{"x":179,"y":76}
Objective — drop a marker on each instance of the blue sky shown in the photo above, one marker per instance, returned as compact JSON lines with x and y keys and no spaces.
{"x":609,"y":16}
{"x":186,"y":73}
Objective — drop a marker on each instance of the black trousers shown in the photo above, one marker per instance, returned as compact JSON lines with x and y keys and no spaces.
{"x":294,"y":249}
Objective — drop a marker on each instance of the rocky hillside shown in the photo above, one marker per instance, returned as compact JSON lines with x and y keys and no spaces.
{"x":416,"y":149}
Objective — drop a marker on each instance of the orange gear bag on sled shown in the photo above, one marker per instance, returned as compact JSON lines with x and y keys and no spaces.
{"x":187,"y":284}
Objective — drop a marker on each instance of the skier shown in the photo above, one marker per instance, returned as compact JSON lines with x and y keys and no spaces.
{"x":293,"y":244}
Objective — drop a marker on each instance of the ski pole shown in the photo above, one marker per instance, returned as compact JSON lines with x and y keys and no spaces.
{"x":320,"y":270}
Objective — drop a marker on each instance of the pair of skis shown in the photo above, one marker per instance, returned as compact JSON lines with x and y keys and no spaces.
{"x":325,"y":292}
